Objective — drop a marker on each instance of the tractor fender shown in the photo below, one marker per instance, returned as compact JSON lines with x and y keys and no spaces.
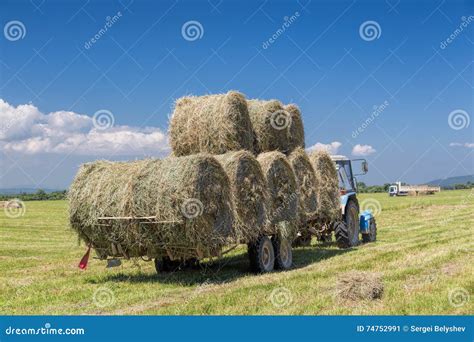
{"x":344,"y":199}
{"x":364,"y":221}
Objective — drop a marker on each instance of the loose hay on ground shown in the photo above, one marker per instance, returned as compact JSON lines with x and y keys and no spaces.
{"x":249,"y":193}
{"x":327,"y":186}
{"x":283,"y":192}
{"x":213,"y":123}
{"x":307,"y":186}
{"x":191,"y":193}
{"x":356,"y":285}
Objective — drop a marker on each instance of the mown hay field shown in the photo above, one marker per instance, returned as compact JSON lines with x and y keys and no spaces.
{"x":423,"y":256}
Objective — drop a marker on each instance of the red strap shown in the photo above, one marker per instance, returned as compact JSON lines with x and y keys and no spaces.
{"x":85,"y":259}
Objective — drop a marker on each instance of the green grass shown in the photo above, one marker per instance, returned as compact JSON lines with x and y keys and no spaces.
{"x":424,"y":252}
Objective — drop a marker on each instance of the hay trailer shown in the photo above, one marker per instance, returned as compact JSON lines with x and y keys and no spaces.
{"x":352,"y":223}
{"x":399,"y":189}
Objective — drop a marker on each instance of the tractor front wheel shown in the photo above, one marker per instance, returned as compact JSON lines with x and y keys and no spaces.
{"x":372,"y":234}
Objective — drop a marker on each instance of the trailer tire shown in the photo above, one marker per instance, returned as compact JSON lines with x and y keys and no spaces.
{"x":261,"y":255}
{"x":283,"y":253}
{"x":165,"y":264}
{"x":372,"y":235}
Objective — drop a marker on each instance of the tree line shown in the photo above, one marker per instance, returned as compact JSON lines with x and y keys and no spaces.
{"x":39,"y":195}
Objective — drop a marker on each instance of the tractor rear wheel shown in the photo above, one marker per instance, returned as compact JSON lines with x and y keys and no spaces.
{"x":283,"y":253}
{"x":351,"y":218}
{"x":341,"y":234}
{"x":261,"y":255}
{"x":372,"y":235}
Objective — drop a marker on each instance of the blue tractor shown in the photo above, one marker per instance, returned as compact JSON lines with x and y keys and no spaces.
{"x":353,"y":226}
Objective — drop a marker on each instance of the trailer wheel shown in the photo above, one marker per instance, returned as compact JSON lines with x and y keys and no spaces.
{"x":261,"y":255}
{"x":342,"y":235}
{"x":351,"y":218}
{"x":283,"y":253}
{"x":372,"y":235}
{"x":165,"y":264}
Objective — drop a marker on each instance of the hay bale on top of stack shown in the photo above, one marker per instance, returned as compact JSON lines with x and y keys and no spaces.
{"x":214,"y":124}
{"x":327,"y":187}
{"x":276,"y":127}
{"x":176,"y":207}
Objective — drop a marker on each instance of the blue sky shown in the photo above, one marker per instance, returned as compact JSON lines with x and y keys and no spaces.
{"x":53,"y":79}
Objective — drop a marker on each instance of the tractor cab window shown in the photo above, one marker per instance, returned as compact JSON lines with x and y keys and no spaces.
{"x":344,"y":172}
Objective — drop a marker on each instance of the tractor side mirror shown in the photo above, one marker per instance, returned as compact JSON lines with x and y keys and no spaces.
{"x":365,"y":167}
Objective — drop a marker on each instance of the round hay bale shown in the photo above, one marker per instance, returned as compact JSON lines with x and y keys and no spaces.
{"x":277,"y":128}
{"x":306,"y":181}
{"x":213,"y":123}
{"x":269,"y":121}
{"x":327,"y":187}
{"x":283,"y":192}
{"x":249,"y":194}
{"x":180,"y":207}
{"x":296,"y":138}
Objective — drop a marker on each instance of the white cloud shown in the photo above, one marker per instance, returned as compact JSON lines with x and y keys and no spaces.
{"x":362,"y":150}
{"x":331,"y":148}
{"x":467,"y":145}
{"x":24,"y":129}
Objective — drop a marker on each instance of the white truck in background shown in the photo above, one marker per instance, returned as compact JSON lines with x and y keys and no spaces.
{"x":398,"y":189}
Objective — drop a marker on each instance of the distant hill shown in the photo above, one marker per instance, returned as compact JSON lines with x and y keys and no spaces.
{"x":451,"y":181}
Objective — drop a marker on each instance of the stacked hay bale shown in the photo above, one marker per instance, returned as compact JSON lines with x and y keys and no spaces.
{"x":327,"y":189}
{"x":213,"y":123}
{"x":249,"y":194}
{"x":192,"y":204}
{"x":178,"y":207}
{"x":307,"y":185}
{"x":283,"y":190}
{"x":276,"y":127}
